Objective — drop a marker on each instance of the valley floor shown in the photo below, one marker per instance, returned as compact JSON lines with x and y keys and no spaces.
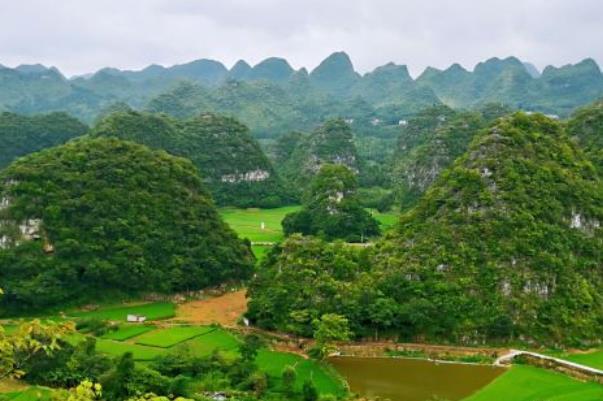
{"x":190,"y":325}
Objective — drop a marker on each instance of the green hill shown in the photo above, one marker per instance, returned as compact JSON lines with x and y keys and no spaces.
{"x":331,"y":143}
{"x":21,"y":135}
{"x":430,"y":142}
{"x":586,"y":127}
{"x":102,"y":216}
{"x":230,"y":161}
{"x":507,"y":243}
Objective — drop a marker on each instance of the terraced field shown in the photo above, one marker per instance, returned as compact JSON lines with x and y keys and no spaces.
{"x":169,"y":337}
{"x":528,"y":383}
{"x":593,"y":359}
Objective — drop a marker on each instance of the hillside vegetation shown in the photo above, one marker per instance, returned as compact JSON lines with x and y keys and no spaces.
{"x":271,"y":97}
{"x":21,"y":135}
{"x":430,"y":142}
{"x":586,"y":127}
{"x":506,"y":245}
{"x":231,"y":162}
{"x":302,"y":156}
{"x":101,"y":216}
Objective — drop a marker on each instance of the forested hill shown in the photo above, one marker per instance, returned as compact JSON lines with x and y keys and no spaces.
{"x":231,"y":162}
{"x":508,"y":241}
{"x":21,"y":135}
{"x":506,"y":245}
{"x":586,"y":127}
{"x":431,"y":141}
{"x":98,"y":217}
{"x":272,"y":97}
{"x":331,"y":143}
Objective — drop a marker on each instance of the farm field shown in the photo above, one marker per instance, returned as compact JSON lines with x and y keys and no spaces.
{"x":247,"y":222}
{"x":225,"y":309}
{"x":153,"y":311}
{"x":127,"y":331}
{"x":34,"y":393}
{"x":118,"y":348}
{"x":528,"y":383}
{"x":593,"y":359}
{"x":260,"y":251}
{"x":168,"y":337}
{"x":273,"y":363}
{"x":219,"y":339}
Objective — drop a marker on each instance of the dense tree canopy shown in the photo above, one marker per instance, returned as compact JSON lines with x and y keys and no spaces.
{"x":507,"y":242}
{"x":231,"y":162}
{"x":506,"y":245}
{"x":332,"y":208}
{"x":586,"y":126}
{"x":333,"y":143}
{"x":21,"y":135}
{"x":99,"y":216}
{"x":430,"y":142}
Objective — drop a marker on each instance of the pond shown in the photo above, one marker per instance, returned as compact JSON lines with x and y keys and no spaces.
{"x":402,"y":379}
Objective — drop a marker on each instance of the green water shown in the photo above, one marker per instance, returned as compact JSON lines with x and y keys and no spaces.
{"x":399,"y":379}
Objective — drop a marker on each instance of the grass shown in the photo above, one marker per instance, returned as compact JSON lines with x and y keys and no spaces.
{"x":528,"y":383}
{"x":153,"y":311}
{"x":10,"y":328}
{"x":218,"y":339}
{"x":387,"y":220}
{"x":247,"y":222}
{"x":273,"y":363}
{"x":166,"y":338}
{"x":117,"y":349}
{"x":31,"y":394}
{"x":260,"y":251}
{"x":592,"y":359}
{"x":127,"y":331}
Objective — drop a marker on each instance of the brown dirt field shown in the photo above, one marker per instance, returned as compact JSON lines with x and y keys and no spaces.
{"x":8,"y":385}
{"x":224,"y":309}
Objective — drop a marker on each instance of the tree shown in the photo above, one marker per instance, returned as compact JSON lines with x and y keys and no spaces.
{"x":289,"y":376}
{"x":116,"y":383}
{"x":309,"y":391}
{"x":383,"y":313}
{"x":332,"y":208}
{"x":110,"y":214}
{"x":30,"y":339}
{"x":331,"y":327}
{"x":249,"y":349}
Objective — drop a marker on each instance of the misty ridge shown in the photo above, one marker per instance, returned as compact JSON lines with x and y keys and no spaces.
{"x":272,"y":96}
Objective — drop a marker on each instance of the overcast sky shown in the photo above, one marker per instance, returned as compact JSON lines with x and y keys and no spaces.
{"x":80,"y":36}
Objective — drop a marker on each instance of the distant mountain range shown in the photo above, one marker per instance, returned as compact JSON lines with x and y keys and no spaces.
{"x":387,"y":93}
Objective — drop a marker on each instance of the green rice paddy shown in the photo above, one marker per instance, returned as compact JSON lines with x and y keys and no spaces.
{"x":128,"y":331}
{"x":167,"y":338}
{"x":152,"y":311}
{"x":528,"y":383}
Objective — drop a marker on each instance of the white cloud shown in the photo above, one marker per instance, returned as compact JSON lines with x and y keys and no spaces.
{"x":81,"y":36}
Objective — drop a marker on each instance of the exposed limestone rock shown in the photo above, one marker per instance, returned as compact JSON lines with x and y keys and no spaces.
{"x":30,"y":229}
{"x":250,"y":176}
{"x":587,"y":226}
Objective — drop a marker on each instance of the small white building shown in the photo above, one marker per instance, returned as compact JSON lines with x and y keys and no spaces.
{"x":136,"y":318}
